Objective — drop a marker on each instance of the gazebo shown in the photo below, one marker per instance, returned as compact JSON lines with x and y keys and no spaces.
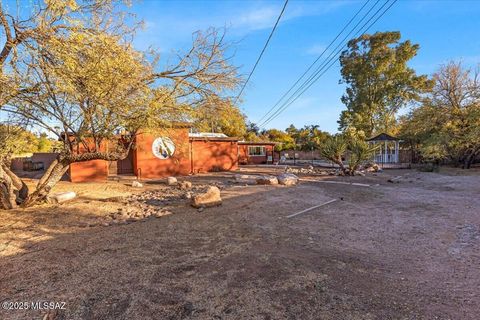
{"x":388,"y":148}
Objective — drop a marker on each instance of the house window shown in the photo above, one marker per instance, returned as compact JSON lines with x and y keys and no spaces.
{"x":256,"y":151}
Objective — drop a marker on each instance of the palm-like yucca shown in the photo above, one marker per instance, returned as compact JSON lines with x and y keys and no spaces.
{"x":360,"y":151}
{"x":336,"y":147}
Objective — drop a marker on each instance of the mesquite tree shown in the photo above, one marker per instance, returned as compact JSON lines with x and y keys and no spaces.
{"x":85,"y":84}
{"x":447,"y":124}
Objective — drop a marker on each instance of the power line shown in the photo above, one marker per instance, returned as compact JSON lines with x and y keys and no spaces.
{"x":314,"y":62}
{"x":326,"y":61}
{"x":263,"y":50}
{"x":317,"y":75}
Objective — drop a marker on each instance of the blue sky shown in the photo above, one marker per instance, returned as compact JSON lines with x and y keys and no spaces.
{"x":445,"y":30}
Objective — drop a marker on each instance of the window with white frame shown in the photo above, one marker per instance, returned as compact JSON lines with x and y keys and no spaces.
{"x":256,"y":150}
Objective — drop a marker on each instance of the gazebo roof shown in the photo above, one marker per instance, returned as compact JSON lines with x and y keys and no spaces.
{"x":383,"y":137}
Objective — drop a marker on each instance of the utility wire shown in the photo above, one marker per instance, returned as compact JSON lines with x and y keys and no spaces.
{"x":314,"y":62}
{"x":327,"y":59}
{"x":261,"y":53}
{"x":333,"y":53}
{"x":327,"y":65}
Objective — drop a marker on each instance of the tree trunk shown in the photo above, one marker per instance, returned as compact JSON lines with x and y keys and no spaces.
{"x":7,"y":191}
{"x":13,"y":190}
{"x":469,"y":160}
{"x":51,"y":177}
{"x":19,"y":185}
{"x":340,"y":164}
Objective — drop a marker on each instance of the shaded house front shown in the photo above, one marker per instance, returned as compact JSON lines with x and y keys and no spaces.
{"x":172,"y":152}
{"x":256,"y":152}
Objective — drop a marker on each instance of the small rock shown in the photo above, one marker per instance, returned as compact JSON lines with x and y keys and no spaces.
{"x":208,"y":199}
{"x":185,"y":185}
{"x":287,"y":179}
{"x":200,"y":209}
{"x":63,"y":197}
{"x":172,"y":181}
{"x":137,"y":184}
{"x":159,"y":214}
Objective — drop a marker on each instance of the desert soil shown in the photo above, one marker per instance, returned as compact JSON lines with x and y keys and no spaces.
{"x":402,"y":250}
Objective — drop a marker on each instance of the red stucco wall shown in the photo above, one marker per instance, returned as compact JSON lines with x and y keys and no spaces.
{"x":244,"y":158}
{"x":214,"y":155}
{"x":190,"y":156}
{"x":94,"y":170}
{"x":146,"y":165}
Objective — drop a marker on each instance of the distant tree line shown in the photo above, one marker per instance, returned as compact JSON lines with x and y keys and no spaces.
{"x":443,"y":121}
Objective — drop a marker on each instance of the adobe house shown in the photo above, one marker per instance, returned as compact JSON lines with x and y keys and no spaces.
{"x":173,"y":152}
{"x":256,"y":152}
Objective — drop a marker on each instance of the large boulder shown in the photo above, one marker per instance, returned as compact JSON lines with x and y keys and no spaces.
{"x":267,"y":180}
{"x":246,"y":178}
{"x":210,"y":198}
{"x":287,"y":179}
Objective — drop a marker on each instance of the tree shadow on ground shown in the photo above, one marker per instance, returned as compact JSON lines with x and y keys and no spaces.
{"x":239,"y":260}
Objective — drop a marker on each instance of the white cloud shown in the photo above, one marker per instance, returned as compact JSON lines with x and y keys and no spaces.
{"x":256,"y":19}
{"x":166,"y":31}
{"x":316,"y":49}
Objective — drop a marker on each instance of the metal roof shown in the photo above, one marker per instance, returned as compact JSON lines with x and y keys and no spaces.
{"x":383,"y":137}
{"x":207,"y":135}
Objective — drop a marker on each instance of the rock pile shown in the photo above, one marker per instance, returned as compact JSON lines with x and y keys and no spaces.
{"x":311,"y":170}
{"x":157,"y":203}
{"x":151,"y":203}
{"x":287,"y":179}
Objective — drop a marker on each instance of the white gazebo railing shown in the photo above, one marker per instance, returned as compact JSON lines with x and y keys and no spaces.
{"x":387,"y":148}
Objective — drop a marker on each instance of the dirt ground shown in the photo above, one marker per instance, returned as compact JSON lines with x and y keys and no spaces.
{"x":402,"y":250}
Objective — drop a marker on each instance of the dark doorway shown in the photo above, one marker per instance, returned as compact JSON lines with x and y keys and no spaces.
{"x":124,"y":166}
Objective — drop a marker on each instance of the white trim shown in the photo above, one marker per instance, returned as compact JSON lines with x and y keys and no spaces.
{"x":263,"y":154}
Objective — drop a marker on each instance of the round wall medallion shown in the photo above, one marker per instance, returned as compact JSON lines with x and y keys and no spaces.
{"x":163,"y":148}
